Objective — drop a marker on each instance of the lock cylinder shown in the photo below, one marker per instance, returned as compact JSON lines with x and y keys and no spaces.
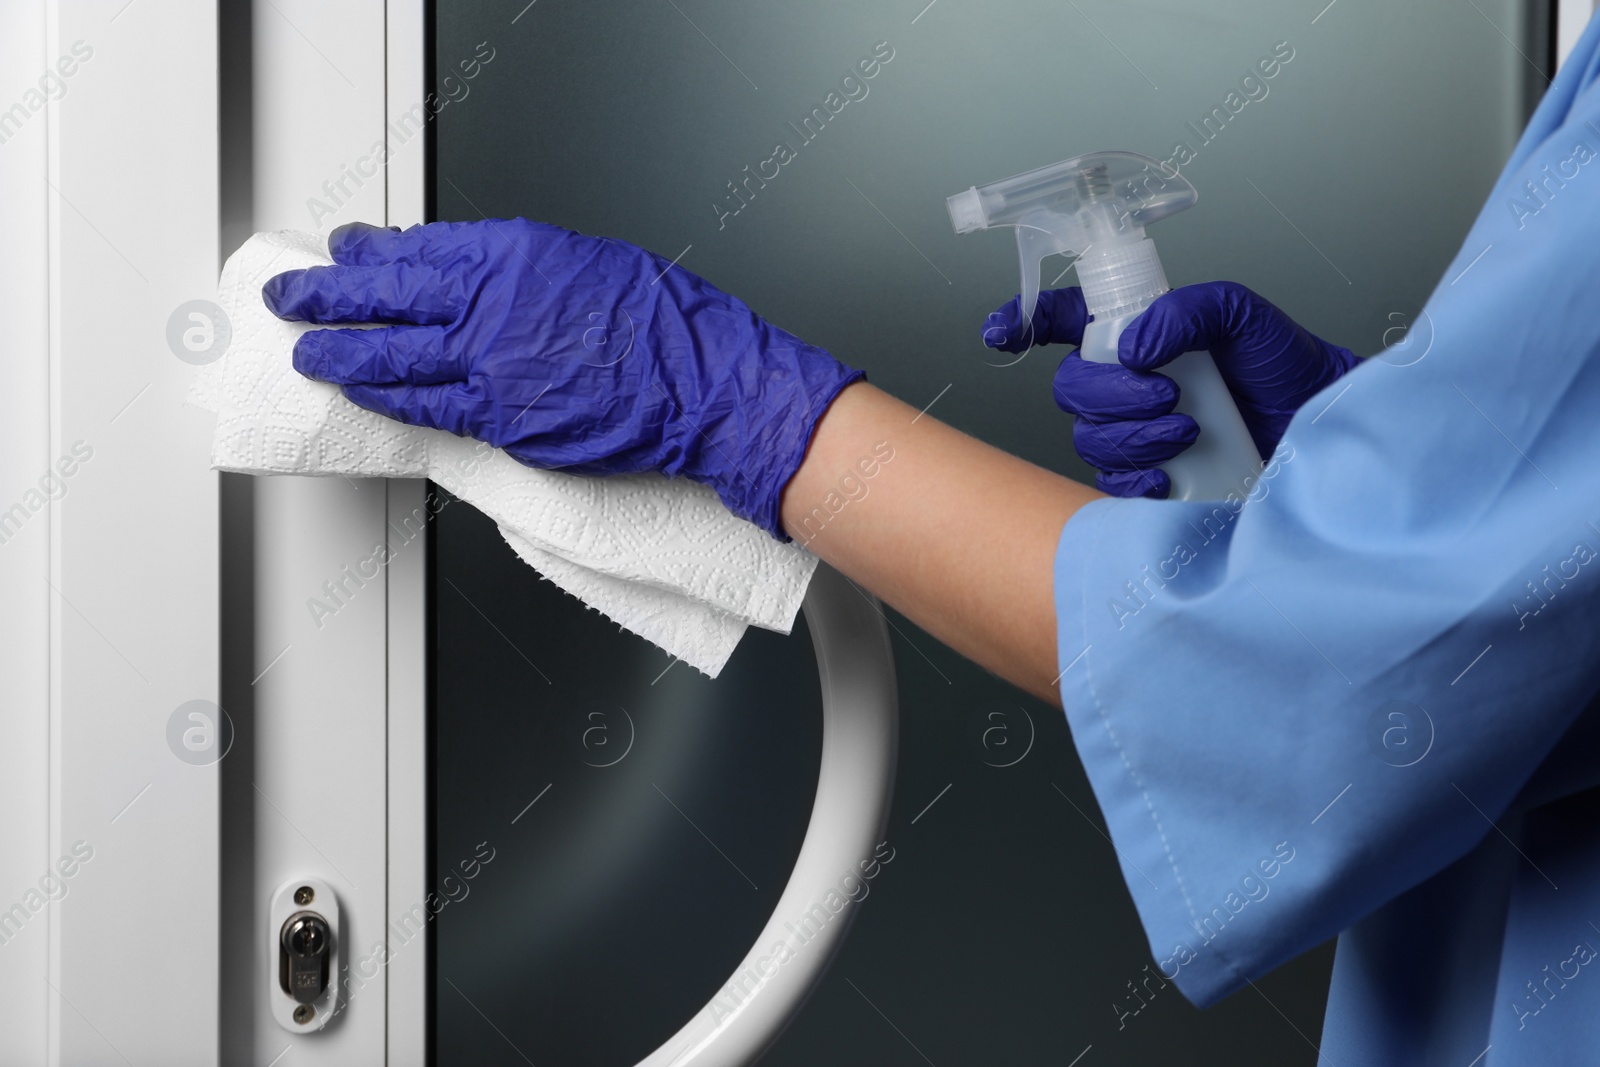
{"x":304,"y":946}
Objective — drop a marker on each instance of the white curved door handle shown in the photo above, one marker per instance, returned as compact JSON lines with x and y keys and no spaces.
{"x":859,"y":730}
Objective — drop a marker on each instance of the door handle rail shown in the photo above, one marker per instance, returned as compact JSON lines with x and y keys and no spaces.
{"x":860,"y":726}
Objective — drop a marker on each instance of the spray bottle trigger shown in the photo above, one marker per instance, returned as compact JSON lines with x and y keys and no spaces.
{"x":1034,"y":243}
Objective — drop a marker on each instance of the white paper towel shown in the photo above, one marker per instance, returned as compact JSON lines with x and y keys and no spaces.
{"x":660,"y":556}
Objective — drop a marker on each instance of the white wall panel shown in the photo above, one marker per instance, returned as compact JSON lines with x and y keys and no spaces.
{"x":133,"y":564}
{"x":24,"y":537}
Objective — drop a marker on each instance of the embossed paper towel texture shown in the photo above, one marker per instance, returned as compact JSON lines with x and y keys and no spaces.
{"x":660,"y":556}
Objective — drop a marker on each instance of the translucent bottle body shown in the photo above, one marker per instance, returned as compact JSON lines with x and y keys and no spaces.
{"x":1223,"y":459}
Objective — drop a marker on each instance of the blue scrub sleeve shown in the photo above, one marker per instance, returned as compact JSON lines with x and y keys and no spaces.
{"x":1295,"y":707}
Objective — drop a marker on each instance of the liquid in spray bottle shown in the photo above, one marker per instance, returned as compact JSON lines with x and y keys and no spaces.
{"x":1096,"y":207}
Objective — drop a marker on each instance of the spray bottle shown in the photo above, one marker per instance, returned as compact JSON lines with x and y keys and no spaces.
{"x":1097,"y":207}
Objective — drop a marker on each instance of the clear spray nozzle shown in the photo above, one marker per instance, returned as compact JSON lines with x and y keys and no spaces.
{"x":1094,"y":206}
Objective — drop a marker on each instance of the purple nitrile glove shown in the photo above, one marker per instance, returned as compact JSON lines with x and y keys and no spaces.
{"x":571,"y":352}
{"x":1126,"y":425}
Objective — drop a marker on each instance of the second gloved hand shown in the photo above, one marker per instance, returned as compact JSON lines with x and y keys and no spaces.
{"x":1126,"y":426}
{"x":570,"y":352}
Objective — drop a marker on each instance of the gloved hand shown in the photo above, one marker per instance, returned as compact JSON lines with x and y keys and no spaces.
{"x":570,"y":352}
{"x":1126,"y":425}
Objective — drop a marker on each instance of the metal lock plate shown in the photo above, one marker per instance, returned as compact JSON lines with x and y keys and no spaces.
{"x":305,"y":950}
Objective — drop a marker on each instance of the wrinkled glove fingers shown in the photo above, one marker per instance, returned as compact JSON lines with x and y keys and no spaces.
{"x":394,"y":292}
{"x":1058,"y":318}
{"x":361,"y":244}
{"x":415,"y":355}
{"x":1190,"y":319}
{"x":1135,"y":444}
{"x":435,"y":244}
{"x":1220,"y":317}
{"x":1109,"y":391}
{"x":454,"y":407}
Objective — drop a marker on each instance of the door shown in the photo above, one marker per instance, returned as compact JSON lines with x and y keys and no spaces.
{"x":329,"y":906}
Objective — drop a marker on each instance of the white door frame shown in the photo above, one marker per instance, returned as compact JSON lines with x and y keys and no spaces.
{"x":337,"y":772}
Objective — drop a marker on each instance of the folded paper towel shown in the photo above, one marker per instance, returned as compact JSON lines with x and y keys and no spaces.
{"x":662,"y":557}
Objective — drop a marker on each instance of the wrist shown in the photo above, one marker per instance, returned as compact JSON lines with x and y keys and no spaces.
{"x":815,"y":474}
{"x":750,"y":461}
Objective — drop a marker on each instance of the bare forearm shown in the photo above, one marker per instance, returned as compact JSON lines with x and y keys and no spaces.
{"x":959,"y":536}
